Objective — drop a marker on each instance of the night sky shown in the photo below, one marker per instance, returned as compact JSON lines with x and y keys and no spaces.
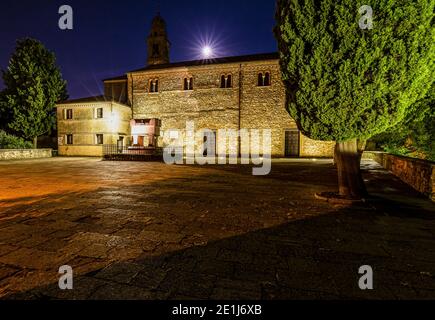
{"x":109,"y":37}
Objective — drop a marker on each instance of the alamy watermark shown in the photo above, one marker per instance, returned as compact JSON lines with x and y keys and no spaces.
{"x":366,"y":20}
{"x":223,"y":146}
{"x":366,"y":281}
{"x":66,"y":281}
{"x":66,"y":21}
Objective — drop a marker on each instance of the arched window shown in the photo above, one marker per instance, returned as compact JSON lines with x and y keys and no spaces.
{"x":154,"y":86}
{"x":188,"y":83}
{"x":229,"y":82}
{"x":223,"y":82}
{"x":264,"y":79}
{"x":156,"y":50}
{"x":267,"y":79}
{"x":226,"y":81}
{"x":260,"y":80}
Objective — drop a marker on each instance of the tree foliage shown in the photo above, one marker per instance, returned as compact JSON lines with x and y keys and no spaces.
{"x":33,"y":86}
{"x":415,"y":135}
{"x":344,"y":82}
{"x":8,"y":141}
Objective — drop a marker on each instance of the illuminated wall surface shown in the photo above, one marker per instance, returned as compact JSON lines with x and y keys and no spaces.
{"x":85,"y":126}
{"x":244,"y":104}
{"x":199,"y":91}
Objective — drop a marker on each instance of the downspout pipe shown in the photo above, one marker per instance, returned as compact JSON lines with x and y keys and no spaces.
{"x":240,"y":109}
{"x":132,"y":104}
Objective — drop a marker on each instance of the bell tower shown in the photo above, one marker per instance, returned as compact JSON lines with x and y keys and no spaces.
{"x":158,"y":43}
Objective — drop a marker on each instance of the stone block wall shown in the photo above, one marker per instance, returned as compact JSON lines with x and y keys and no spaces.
{"x":419,"y":174}
{"x":264,"y":107}
{"x":21,"y":154}
{"x":244,"y":106}
{"x":313,"y":148}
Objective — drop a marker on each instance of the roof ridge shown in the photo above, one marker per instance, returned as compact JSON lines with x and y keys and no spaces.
{"x":99,"y":98}
{"x":221,"y":60}
{"x":199,"y":62}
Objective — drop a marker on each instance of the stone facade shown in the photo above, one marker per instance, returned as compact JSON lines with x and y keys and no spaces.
{"x":233,"y":93}
{"x":245,"y":105}
{"x":21,"y":154}
{"x":316,"y":149}
{"x":85,"y":125}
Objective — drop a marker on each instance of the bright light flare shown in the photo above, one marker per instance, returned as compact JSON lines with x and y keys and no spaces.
{"x":208,"y":43}
{"x":207,"y":52}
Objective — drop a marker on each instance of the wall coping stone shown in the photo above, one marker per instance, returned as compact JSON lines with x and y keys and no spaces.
{"x":44,"y":149}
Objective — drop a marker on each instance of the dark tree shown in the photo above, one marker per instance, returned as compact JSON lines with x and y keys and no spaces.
{"x":33,"y":86}
{"x":347,"y":84}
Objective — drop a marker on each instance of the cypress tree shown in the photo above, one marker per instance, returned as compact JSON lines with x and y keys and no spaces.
{"x":345,"y":83}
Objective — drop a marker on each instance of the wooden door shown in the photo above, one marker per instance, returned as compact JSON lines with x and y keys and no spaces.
{"x":292,"y":144}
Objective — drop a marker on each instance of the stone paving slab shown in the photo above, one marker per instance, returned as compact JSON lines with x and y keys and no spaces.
{"x":134,"y":230}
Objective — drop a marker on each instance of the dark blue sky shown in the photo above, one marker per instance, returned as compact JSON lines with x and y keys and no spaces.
{"x":109,"y":37}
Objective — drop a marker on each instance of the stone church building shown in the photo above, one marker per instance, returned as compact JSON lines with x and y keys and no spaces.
{"x":242,"y":92}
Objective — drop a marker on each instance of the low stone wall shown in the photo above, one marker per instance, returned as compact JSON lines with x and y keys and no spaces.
{"x":419,"y":174}
{"x":20,"y":154}
{"x":81,"y":151}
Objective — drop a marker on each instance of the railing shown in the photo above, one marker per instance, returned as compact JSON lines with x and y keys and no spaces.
{"x":124,"y":153}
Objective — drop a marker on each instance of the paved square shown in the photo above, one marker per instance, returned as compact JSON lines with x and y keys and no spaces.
{"x":134,"y":230}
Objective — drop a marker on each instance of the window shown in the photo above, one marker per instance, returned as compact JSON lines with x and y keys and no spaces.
{"x":267,"y":79}
{"x":229,"y":81}
{"x":188,"y":83}
{"x":226,"y":81}
{"x":223,"y":82}
{"x":154,"y":86}
{"x":260,"y":79}
{"x":100,"y":113}
{"x":99,"y":139}
{"x":156,"y":50}
{"x":69,"y":139}
{"x":69,"y":114}
{"x":264,"y":79}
